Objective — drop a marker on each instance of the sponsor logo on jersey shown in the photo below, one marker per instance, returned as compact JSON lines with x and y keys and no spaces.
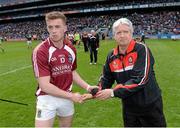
{"x":61,"y":69}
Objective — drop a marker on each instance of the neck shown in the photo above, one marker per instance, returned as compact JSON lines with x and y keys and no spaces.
{"x":59,"y":44}
{"x":122,"y":49}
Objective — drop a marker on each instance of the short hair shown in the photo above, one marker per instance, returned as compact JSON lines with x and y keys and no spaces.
{"x":122,"y":21}
{"x":55,"y":15}
{"x":92,"y":31}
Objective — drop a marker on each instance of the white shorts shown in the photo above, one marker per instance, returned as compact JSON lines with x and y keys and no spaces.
{"x":29,"y":42}
{"x":48,"y":106}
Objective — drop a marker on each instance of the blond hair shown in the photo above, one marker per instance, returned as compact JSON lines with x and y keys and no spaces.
{"x":55,"y":15}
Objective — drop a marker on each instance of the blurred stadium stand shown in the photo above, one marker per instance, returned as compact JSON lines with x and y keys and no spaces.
{"x":19,"y":17}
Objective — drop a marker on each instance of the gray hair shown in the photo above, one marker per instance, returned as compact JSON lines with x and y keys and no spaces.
{"x":92,"y":31}
{"x":122,"y":21}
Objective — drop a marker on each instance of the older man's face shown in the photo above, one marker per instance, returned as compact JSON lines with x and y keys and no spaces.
{"x":123,"y":35}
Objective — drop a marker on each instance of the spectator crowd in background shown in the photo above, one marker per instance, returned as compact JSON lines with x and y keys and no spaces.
{"x":165,"y":22}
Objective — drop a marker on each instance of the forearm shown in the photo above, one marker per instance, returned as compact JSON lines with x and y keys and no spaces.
{"x":79,"y":81}
{"x":51,"y":89}
{"x":55,"y":91}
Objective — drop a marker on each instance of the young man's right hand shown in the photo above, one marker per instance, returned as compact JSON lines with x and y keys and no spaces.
{"x":90,"y":95}
{"x":76,"y":97}
{"x":87,"y":96}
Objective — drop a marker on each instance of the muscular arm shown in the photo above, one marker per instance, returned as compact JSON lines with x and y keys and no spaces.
{"x":79,"y":81}
{"x":51,"y":89}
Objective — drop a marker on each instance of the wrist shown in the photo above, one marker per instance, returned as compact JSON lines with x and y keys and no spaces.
{"x":87,"y":88}
{"x":112,"y":93}
{"x":70,"y":96}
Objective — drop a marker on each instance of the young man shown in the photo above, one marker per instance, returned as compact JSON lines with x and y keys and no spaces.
{"x":130,"y":64}
{"x":54,"y":63}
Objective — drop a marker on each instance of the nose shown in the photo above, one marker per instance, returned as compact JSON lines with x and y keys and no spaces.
{"x":53,"y":30}
{"x":121,"y":34}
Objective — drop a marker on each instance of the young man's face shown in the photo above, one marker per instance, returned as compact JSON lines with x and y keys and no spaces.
{"x":56,"y":29}
{"x":123,"y":35}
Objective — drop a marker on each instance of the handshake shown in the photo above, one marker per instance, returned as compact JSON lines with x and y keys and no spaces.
{"x":77,"y":97}
{"x":90,"y":95}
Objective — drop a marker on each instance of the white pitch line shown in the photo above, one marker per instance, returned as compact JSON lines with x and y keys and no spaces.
{"x":12,"y":71}
{"x":22,"y":68}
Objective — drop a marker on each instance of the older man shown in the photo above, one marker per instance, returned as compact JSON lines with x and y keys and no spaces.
{"x":130,"y":64}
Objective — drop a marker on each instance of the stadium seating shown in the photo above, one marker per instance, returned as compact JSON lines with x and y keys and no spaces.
{"x":153,"y":22}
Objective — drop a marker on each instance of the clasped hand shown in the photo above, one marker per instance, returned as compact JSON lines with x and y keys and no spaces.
{"x":100,"y":95}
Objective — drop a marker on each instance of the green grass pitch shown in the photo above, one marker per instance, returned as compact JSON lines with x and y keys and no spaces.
{"x":17,"y":83}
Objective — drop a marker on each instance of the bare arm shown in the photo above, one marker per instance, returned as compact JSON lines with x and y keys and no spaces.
{"x":78,"y":80}
{"x":51,"y":89}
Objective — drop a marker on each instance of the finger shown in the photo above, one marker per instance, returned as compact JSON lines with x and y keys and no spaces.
{"x":83,"y":96}
{"x":80,"y":101}
{"x":99,"y":95}
{"x":99,"y":92}
{"x":86,"y":98}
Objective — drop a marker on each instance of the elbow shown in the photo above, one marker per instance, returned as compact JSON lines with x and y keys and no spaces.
{"x":43,"y":86}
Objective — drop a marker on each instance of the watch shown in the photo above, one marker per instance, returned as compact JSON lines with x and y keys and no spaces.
{"x":112,"y":93}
